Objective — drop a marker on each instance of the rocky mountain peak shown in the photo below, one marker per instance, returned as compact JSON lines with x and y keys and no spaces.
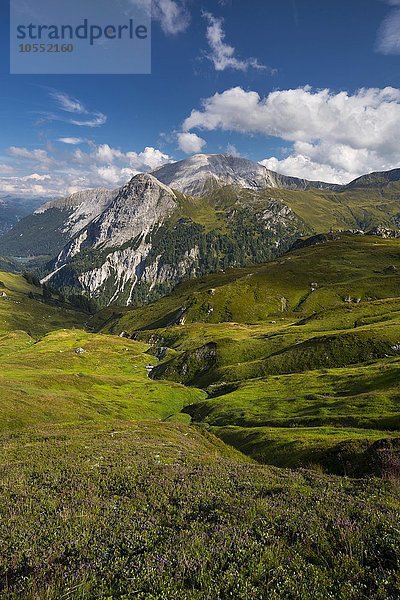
{"x":144,"y":183}
{"x":201,"y":174}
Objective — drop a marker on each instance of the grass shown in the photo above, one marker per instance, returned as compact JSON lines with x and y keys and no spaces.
{"x":18,"y":311}
{"x":48,"y":381}
{"x":362,"y":396}
{"x":344,"y":451}
{"x":83,"y":515}
{"x":106,"y":489}
{"x":44,"y":380}
{"x":280,"y":357}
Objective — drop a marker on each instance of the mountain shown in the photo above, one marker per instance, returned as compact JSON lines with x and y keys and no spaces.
{"x":150,"y":237}
{"x":52,"y":225}
{"x":379,"y":178}
{"x":203,"y":173}
{"x":131,"y":246}
{"x":14,"y":208}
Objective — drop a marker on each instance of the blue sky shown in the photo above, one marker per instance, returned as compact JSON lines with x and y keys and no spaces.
{"x":309,"y":88}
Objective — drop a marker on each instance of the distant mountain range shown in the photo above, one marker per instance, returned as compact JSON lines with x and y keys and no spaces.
{"x":201,"y":215}
{"x":14,"y":208}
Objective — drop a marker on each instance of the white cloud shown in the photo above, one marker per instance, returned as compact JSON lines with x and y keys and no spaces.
{"x":150,"y":158}
{"x":339,"y":135}
{"x":190,"y":143}
{"x":23,"y":187}
{"x":23,"y":153}
{"x":80,"y":157}
{"x":111,"y":174}
{"x":222,"y":55}
{"x":68,"y":103}
{"x":36,"y":177}
{"x":72,"y":105}
{"x":72,"y":141}
{"x":105,"y":154}
{"x":6,"y":169}
{"x":101,"y":166}
{"x":388,"y":41}
{"x":299,"y":165}
{"x":232,"y":150}
{"x":97,"y":120}
{"x":172,"y":15}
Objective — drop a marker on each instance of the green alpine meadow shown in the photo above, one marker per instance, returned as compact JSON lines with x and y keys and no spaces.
{"x":238,"y":437}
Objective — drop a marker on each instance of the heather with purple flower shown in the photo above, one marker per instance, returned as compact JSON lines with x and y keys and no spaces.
{"x":91,"y":512}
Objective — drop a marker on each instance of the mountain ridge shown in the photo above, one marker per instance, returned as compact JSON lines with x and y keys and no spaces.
{"x":134,"y":244}
{"x":202,"y":173}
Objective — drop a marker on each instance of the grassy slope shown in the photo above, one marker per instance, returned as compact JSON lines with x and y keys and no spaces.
{"x":115,"y":509}
{"x":356,"y":208}
{"x":361,"y":208}
{"x":19,"y":312}
{"x":47,"y":381}
{"x":314,"y":361}
{"x":43,"y":379}
{"x":83,"y":515}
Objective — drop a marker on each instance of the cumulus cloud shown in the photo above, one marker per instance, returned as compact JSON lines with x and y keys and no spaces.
{"x":100,"y":166}
{"x":105,"y":154}
{"x":221,"y":54}
{"x":149,"y":158}
{"x":339,"y":135}
{"x":190,"y":143}
{"x":111,"y":165}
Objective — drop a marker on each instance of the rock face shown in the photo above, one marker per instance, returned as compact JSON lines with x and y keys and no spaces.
{"x":119,"y":241}
{"x":139,"y":206}
{"x":80,"y":208}
{"x":203,"y":173}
